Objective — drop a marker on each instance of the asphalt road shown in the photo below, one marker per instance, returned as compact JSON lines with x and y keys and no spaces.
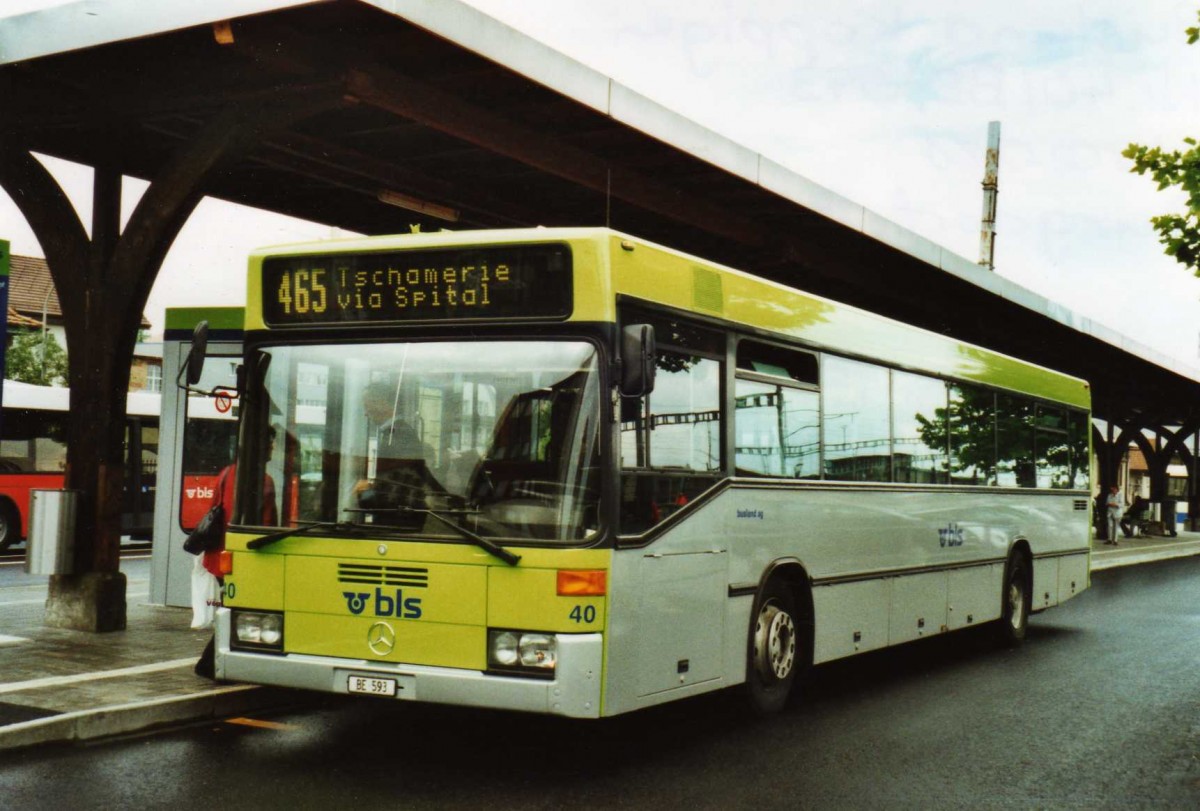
{"x":1099,"y":709}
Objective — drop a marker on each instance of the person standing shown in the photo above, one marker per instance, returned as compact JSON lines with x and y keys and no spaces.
{"x":211,"y":560}
{"x":1114,"y":506}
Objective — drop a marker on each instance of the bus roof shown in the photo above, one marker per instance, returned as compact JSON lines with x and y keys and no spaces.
{"x":657,"y":274}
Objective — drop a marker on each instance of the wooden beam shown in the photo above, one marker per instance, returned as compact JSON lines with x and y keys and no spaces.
{"x":52,"y":217}
{"x":400,"y":95}
{"x":177,"y":189}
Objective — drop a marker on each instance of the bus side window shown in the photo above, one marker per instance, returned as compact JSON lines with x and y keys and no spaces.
{"x":857,"y":420}
{"x":671,"y":440}
{"x":776,"y":413}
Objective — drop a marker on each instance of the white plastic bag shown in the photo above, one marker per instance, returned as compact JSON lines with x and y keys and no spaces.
{"x":206,"y":594}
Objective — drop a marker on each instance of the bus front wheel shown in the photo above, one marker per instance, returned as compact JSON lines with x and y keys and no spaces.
{"x":10,"y":525}
{"x":774,"y":650}
{"x":1016,"y":601}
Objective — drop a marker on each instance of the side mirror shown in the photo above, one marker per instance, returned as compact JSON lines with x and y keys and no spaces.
{"x":637,"y":360}
{"x":195,"y":359}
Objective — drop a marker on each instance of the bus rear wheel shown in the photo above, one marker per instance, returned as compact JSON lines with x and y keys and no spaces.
{"x":1016,"y":601}
{"x":774,"y":653}
{"x":10,"y":525}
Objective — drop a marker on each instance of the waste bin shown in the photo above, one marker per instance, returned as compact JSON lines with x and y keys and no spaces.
{"x":50,"y":546}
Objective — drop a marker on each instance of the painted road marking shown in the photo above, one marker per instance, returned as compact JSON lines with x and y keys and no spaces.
{"x":258,"y":724}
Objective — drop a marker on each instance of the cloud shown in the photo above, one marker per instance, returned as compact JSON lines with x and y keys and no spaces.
{"x":888,"y":105}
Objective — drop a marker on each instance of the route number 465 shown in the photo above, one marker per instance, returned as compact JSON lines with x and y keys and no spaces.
{"x":583,"y":613}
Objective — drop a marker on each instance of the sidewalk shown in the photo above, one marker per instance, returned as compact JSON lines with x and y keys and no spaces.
{"x":58,"y":685}
{"x":63,"y":686}
{"x":1132,"y":551}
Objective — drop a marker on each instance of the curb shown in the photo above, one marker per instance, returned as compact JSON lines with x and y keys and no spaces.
{"x":121,"y":719}
{"x":1148,"y":555}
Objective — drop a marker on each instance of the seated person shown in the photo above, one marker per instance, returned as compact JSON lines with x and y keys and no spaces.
{"x":401,"y":477}
{"x":1133,"y":517}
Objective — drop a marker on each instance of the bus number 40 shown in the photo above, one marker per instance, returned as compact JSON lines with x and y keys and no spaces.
{"x":583,"y":613}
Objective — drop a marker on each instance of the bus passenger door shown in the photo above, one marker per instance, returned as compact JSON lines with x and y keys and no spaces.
{"x":681,"y":619}
{"x":671,"y":455}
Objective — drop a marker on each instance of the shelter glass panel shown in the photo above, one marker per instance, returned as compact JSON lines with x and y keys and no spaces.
{"x":209,"y":441}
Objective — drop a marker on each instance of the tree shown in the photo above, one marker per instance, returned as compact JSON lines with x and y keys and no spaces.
{"x":24,"y":359}
{"x":1179,"y":233}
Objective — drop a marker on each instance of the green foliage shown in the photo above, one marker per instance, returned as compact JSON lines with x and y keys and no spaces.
{"x":1179,"y":233}
{"x":23,"y":360}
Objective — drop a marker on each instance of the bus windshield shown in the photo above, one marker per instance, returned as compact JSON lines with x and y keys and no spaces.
{"x":500,"y":438}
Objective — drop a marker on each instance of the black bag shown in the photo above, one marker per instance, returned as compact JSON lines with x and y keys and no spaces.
{"x":208,"y":534}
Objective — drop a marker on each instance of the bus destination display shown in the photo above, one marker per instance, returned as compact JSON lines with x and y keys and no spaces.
{"x":519,"y":281}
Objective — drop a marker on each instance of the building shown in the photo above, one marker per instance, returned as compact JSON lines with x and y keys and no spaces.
{"x":33,"y":304}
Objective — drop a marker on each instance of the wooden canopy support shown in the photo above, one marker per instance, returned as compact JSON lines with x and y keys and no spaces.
{"x":103,"y":284}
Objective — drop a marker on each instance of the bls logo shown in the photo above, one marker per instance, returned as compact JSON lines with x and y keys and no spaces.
{"x":199,"y":492}
{"x":951,"y":536}
{"x":384,"y":605}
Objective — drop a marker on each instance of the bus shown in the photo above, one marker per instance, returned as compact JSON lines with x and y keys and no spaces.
{"x":629,"y":476}
{"x":33,"y":456}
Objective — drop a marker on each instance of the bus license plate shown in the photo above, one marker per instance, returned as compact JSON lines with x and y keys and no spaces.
{"x":372,"y":686}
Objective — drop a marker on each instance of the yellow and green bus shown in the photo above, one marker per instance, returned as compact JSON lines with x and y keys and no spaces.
{"x":569,"y":471}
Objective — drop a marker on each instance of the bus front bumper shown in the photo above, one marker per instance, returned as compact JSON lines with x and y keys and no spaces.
{"x":573,"y":692}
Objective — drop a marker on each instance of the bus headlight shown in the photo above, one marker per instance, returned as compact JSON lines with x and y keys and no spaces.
{"x":523,"y":651}
{"x":257,"y":630}
{"x":538,"y":650}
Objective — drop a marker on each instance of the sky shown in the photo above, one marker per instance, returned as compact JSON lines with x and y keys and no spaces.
{"x":885,"y":103}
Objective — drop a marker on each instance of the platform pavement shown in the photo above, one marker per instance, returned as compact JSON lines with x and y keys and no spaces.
{"x":63,"y":686}
{"x":58,"y":685}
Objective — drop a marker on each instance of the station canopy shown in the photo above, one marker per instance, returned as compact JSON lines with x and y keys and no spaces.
{"x":397,"y":113}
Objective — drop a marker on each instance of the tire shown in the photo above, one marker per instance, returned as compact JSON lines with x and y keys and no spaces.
{"x":774,"y":655}
{"x":1016,"y":601}
{"x":10,"y":525}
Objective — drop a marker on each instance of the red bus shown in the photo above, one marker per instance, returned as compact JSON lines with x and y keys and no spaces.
{"x":33,"y":456}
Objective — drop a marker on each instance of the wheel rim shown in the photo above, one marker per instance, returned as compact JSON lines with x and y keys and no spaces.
{"x":774,"y":643}
{"x":1016,"y":604}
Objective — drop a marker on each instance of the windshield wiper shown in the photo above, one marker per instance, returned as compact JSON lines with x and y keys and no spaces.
{"x":441,"y":515}
{"x":345,"y":526}
{"x":275,"y":537}
{"x":480,"y":541}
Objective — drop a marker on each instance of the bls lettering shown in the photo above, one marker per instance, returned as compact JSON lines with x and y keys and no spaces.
{"x":384,"y":605}
{"x":951,"y":536}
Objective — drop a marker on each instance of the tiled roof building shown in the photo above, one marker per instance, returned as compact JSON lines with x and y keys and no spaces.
{"x":31,"y":292}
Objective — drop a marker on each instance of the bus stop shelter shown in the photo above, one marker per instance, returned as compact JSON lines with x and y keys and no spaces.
{"x":379,"y":116}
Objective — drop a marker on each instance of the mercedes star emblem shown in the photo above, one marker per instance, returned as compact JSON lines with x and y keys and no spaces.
{"x":381,"y":639}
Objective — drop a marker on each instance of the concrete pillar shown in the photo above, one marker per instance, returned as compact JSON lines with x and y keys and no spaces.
{"x":94,"y":601}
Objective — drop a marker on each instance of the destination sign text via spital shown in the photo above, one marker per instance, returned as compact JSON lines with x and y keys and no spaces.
{"x":521,"y":281}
